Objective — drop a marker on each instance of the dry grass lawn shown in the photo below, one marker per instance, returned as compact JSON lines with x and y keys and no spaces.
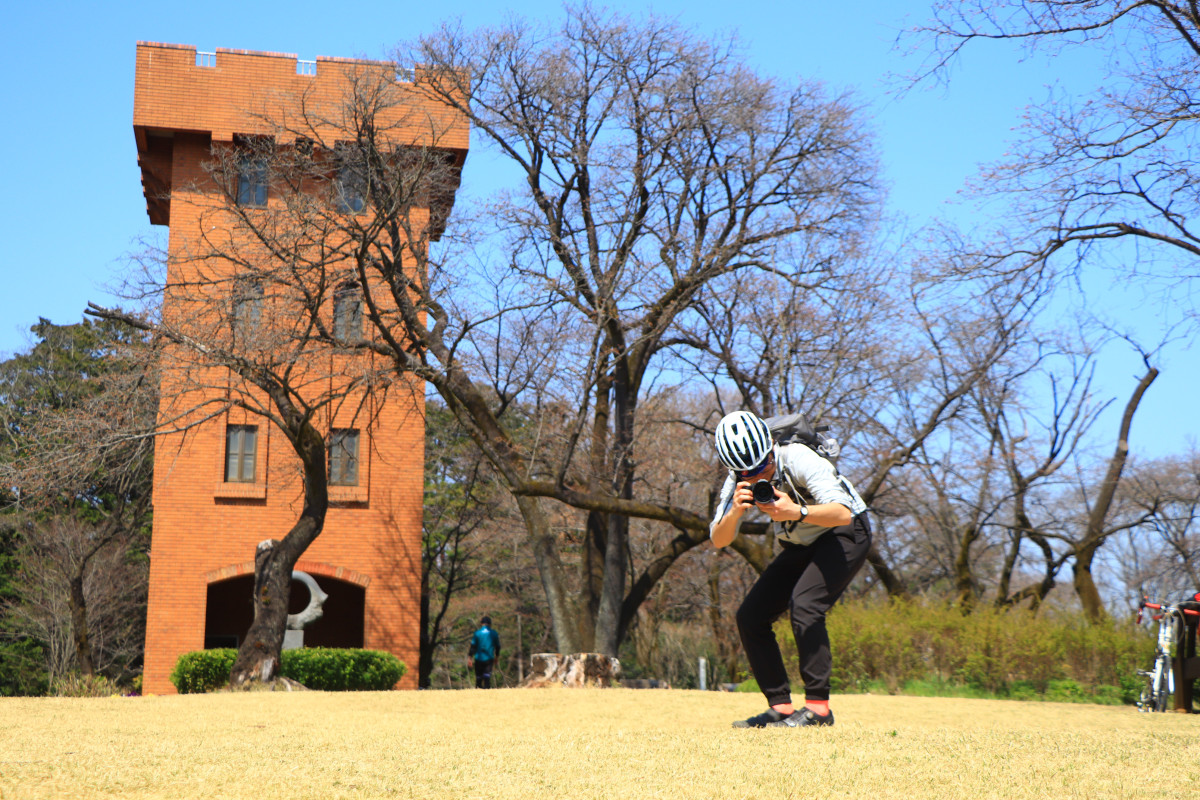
{"x":575,"y":744}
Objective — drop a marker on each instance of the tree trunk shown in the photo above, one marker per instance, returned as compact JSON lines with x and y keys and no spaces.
{"x":425,"y":654}
{"x":616,"y":547}
{"x":592,"y":580}
{"x":1004,"y":585}
{"x":596,"y":544}
{"x":1094,"y":535}
{"x":1085,"y":585}
{"x":608,"y":619}
{"x":964,"y":578}
{"x":891,"y":582}
{"x":550,"y":569}
{"x":574,"y":671}
{"x":79,"y":626}
{"x":258,"y":658}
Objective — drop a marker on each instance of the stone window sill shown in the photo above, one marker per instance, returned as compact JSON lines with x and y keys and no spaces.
{"x":241,"y":491}
{"x":347,"y":494}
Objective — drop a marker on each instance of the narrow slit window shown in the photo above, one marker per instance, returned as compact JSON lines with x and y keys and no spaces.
{"x":247,"y":306}
{"x":252,"y":175}
{"x":351,"y":184}
{"x":347,"y":313}
{"x":241,"y":450}
{"x":343,"y":457}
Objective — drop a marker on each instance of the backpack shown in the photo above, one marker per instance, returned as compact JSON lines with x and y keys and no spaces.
{"x":795,"y":427}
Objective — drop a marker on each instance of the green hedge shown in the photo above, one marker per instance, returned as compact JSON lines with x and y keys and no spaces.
{"x":930,"y":647}
{"x":331,"y":669}
{"x":328,"y":669}
{"x":203,"y":670}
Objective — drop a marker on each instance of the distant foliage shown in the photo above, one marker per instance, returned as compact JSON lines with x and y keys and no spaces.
{"x":76,"y":685}
{"x":327,"y":669}
{"x":917,"y":647}
{"x":22,"y":669}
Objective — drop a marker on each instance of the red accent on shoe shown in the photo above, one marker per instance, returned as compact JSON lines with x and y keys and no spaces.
{"x":818,"y":707}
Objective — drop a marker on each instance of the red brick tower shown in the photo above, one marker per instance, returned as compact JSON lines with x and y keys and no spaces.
{"x":207,"y":519}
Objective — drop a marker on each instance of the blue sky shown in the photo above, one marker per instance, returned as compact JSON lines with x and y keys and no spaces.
{"x":73,"y":206}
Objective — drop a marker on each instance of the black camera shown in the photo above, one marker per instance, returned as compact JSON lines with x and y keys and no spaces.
{"x":764,"y":492}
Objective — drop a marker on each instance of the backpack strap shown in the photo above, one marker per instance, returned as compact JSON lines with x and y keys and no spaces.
{"x":804,"y":496}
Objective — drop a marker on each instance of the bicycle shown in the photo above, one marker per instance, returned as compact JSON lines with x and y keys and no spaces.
{"x":1160,"y":678}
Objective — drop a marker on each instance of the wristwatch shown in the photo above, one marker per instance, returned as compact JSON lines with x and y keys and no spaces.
{"x":803,"y":511}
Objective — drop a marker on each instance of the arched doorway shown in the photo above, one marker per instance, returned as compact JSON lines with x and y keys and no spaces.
{"x":230,"y":610}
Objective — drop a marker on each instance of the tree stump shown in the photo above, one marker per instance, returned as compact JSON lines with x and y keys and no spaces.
{"x":645,"y":683}
{"x":573,"y":671}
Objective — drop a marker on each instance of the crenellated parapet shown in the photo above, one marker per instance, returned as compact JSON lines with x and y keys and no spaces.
{"x":229,"y":93}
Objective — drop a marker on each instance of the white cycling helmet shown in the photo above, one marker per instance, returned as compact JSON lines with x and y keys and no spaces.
{"x":743,"y":441}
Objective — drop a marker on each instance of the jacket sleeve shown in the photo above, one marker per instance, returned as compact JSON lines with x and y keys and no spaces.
{"x":724,"y":501}
{"x":471,"y":650}
{"x":819,"y":477}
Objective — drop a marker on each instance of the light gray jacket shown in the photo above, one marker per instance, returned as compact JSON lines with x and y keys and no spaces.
{"x":804,"y":476}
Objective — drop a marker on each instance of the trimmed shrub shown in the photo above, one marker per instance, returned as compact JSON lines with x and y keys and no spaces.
{"x":203,"y":670}
{"x":329,"y":669}
{"x":332,"y":669}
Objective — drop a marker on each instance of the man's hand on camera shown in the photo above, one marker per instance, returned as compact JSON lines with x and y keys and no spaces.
{"x":743,"y":497}
{"x":783,"y":509}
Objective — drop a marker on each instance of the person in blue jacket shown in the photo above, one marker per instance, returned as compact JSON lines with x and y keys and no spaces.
{"x":484,"y":651}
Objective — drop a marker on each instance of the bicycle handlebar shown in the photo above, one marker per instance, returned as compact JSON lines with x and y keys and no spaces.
{"x":1165,"y":608}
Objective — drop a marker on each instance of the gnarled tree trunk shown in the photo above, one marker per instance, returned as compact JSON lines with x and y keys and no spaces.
{"x":258,"y":658}
{"x":1095,"y":534}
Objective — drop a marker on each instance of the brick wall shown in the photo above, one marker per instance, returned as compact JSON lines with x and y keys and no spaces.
{"x":206,"y":530}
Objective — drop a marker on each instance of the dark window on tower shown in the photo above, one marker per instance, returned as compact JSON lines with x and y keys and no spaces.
{"x":247,"y":305}
{"x":347,"y":312}
{"x":351,"y":184}
{"x":241,"y":442}
{"x":252,"y":176}
{"x":343,"y":457}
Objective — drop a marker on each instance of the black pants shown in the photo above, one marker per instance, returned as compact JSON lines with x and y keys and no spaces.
{"x":483,"y":673}
{"x":808,"y":579}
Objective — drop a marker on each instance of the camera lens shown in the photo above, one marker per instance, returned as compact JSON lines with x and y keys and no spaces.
{"x":764,"y":493}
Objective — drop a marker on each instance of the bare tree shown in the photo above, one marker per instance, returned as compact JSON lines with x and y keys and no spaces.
{"x":1161,"y":556}
{"x":83,"y":595}
{"x":1099,"y":505}
{"x":1117,"y":165}
{"x":77,"y":458}
{"x":1031,"y":461}
{"x":459,"y":500}
{"x":653,"y":164}
{"x":271,"y":377}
